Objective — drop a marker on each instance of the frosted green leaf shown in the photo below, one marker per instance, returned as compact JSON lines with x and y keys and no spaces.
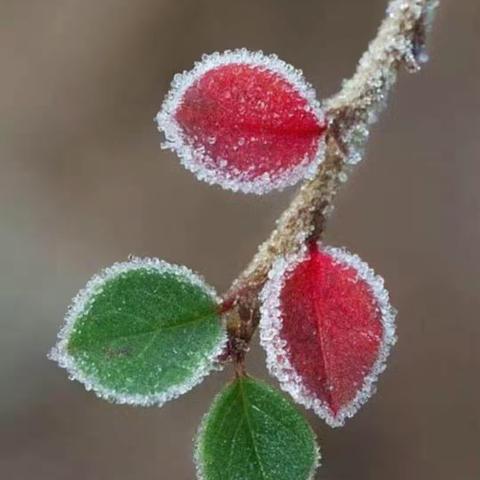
{"x":252,"y":432}
{"x":141,"y":332}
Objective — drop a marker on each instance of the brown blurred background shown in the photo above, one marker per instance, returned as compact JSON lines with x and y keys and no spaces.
{"x":83,"y":183}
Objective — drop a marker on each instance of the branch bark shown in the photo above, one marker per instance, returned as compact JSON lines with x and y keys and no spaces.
{"x":400,"y":41}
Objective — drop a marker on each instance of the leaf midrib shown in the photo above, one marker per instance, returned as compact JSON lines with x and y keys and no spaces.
{"x":249,"y":427}
{"x":320,"y":329}
{"x":155,"y":331}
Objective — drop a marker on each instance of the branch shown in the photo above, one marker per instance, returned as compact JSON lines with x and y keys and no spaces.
{"x":400,"y":41}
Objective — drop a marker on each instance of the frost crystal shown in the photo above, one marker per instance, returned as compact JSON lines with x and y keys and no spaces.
{"x":364,"y":96}
{"x":244,"y":120}
{"x":336,"y":378}
{"x":114,"y":370}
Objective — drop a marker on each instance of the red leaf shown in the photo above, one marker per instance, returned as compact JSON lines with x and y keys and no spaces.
{"x":327,"y":326}
{"x":245,"y":121}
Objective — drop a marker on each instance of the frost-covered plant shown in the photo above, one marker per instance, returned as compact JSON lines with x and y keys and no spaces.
{"x":144,"y":331}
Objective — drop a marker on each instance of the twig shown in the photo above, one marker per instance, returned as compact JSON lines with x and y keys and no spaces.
{"x":400,"y":41}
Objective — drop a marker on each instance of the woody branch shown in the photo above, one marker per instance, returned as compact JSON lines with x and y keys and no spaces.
{"x":400,"y":42}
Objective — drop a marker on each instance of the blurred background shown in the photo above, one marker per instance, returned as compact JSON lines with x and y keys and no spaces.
{"x":83,"y":183}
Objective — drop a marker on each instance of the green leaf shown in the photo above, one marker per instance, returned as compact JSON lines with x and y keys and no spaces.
{"x":141,"y":332}
{"x":252,"y":432}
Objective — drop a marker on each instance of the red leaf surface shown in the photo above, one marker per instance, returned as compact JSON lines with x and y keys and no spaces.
{"x":327,"y":326}
{"x":245,"y":121}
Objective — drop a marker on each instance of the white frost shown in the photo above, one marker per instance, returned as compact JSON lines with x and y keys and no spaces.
{"x":367,"y":91}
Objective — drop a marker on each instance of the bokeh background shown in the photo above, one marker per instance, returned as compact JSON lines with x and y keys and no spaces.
{"x":83,"y":183}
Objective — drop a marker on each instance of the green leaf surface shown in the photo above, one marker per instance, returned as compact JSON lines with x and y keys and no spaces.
{"x":142,"y":332}
{"x":252,"y":432}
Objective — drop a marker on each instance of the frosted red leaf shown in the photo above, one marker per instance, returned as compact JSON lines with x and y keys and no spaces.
{"x":245,"y":121}
{"x":327,"y":326}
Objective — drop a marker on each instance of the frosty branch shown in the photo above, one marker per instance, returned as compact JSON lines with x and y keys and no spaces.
{"x":400,"y":42}
{"x":144,"y":331}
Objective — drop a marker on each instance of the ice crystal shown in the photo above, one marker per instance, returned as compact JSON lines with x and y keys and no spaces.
{"x":364,"y":96}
